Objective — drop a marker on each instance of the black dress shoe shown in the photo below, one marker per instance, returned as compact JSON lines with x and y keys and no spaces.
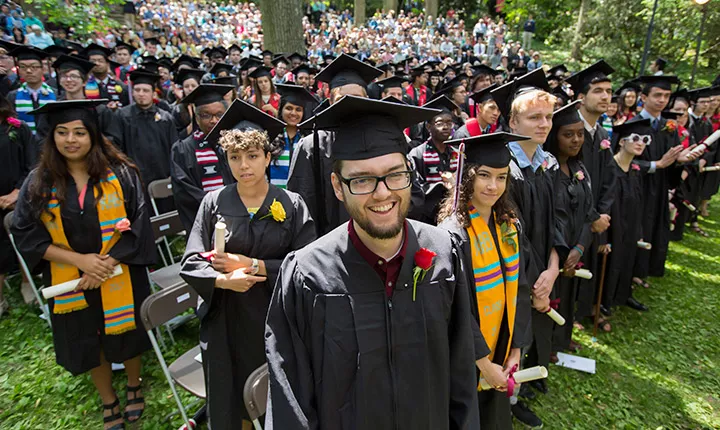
{"x":605,"y":311}
{"x":526,"y":392}
{"x":539,"y":385}
{"x":522,"y":413}
{"x":633,"y":303}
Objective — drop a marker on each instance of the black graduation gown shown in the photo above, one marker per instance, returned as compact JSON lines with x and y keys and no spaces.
{"x":532,"y":193}
{"x":302,"y":180}
{"x":600,"y":164}
{"x":624,"y":232}
{"x":342,"y":355}
{"x":80,"y":336}
{"x":232,"y":323}
{"x":147,"y":139}
{"x":433,"y":193}
{"x":573,"y":201}
{"x":186,"y":175}
{"x":710,"y":181}
{"x":16,"y":161}
{"x":688,"y":189}
{"x":494,"y":406}
{"x":656,"y":217}
{"x":123,"y":97}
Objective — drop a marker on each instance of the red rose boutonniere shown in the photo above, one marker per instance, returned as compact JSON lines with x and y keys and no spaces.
{"x":423,"y":263}
{"x":14,"y":123}
{"x":605,"y":144}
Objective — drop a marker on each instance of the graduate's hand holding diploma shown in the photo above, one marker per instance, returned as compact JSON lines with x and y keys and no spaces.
{"x":238,"y":280}
{"x":225,"y":262}
{"x":544,"y":284}
{"x":688,"y":155}
{"x":97,"y":267}
{"x":492,"y":373}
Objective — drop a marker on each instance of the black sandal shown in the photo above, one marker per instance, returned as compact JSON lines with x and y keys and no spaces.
{"x":113,"y":417}
{"x":696,"y":228}
{"x":134,"y":415}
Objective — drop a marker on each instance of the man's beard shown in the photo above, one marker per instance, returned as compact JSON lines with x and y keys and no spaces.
{"x":378,"y":232}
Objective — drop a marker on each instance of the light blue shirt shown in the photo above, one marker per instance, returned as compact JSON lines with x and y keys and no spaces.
{"x":522,"y":161}
{"x":646,"y":115}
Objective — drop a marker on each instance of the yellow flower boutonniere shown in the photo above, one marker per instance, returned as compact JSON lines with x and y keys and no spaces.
{"x":157,"y":117}
{"x":277,"y":211}
{"x":118,"y":89}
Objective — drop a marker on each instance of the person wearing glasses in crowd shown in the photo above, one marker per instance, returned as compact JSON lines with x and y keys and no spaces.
{"x":263,"y":224}
{"x":350,"y":327}
{"x":33,"y":93}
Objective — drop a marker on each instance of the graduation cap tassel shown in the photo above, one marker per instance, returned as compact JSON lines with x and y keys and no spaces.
{"x":459,"y":174}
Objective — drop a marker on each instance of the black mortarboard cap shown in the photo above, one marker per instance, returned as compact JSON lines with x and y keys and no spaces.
{"x":61,"y":112}
{"x":366,"y":128}
{"x":483,"y":95}
{"x":95,"y":49}
{"x":697,"y":93}
{"x":346,"y":70}
{"x":28,"y":53}
{"x":242,"y":115}
{"x":505,"y":94}
{"x":250,"y":62}
{"x":638,"y":125}
{"x":267,"y":52}
{"x":597,"y":72}
{"x":234,"y":47}
{"x":9,"y":46}
{"x":150,"y":66}
{"x":518,"y":72}
{"x":56,"y":50}
{"x":420,"y":69}
{"x":260,"y":72}
{"x":296,"y":95}
{"x":296,"y":56}
{"x":567,"y":114}
{"x":557,"y":72}
{"x":385,"y":66}
{"x":206,"y":94}
{"x":444,"y":104}
{"x":206,"y":51}
{"x":392,"y":82}
{"x":392,"y":99}
{"x":221,"y":67}
{"x":484,"y":70}
{"x":80,"y":64}
{"x":75,"y":46}
{"x":187,"y":73}
{"x":670,"y":115}
{"x":123,"y":45}
{"x":560,"y":93}
{"x":664,"y":82}
{"x":304,"y":68}
{"x":322,"y":106}
{"x":488,"y":149}
{"x":225,"y":80}
{"x":450,"y":85}
{"x":280,"y":59}
{"x":141,"y":76}
{"x":661,"y":62}
{"x":186,"y":60}
{"x":152,"y":41}
{"x":217,"y":51}
{"x":633,"y":85}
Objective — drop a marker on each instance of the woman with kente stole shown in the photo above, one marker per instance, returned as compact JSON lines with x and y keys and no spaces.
{"x":82,"y":212}
{"x":264,"y":223}
{"x":482,"y":214}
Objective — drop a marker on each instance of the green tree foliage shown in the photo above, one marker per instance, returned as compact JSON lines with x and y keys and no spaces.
{"x":84,"y":16}
{"x":616,"y":29}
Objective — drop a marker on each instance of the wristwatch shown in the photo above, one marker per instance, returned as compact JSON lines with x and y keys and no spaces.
{"x":255,"y":267}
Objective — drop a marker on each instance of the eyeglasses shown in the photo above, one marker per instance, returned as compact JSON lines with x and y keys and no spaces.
{"x":25,"y":67}
{"x":209,"y":116}
{"x":634,"y":137}
{"x":71,"y":77}
{"x":368,"y":184}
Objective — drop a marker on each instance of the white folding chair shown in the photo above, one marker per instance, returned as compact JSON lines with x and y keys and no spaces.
{"x":161,"y":189}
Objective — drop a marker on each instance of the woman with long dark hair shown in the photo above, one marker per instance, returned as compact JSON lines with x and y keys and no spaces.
{"x":80,"y":214}
{"x":296,"y":103}
{"x":573,"y":201}
{"x":265,"y":97}
{"x":482,"y":215}
{"x":627,"y":102}
{"x":16,"y":159}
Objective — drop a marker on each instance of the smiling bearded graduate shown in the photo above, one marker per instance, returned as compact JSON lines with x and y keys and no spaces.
{"x":369,"y":327}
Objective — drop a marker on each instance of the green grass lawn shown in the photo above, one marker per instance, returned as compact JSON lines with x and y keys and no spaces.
{"x":659,"y":369}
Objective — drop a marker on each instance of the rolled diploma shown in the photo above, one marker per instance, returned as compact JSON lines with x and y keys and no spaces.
{"x":711,"y":169}
{"x":521,"y":376}
{"x":689,"y":205}
{"x":555,"y":316}
{"x":581,"y":273}
{"x":699,"y":150}
{"x":66,"y":287}
{"x":644,"y":245}
{"x":712,"y":138}
{"x":220,"y":237}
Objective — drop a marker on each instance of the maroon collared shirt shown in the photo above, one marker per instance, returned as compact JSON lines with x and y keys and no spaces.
{"x":387,"y":270}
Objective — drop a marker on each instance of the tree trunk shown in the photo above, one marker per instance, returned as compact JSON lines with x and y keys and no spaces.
{"x":359,"y":12}
{"x":282,"y":25}
{"x":390,"y":5}
{"x":431,"y":8}
{"x":577,"y":39}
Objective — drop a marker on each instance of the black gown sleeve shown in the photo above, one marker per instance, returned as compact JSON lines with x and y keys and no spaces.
{"x":303,"y":232}
{"x":110,"y":125}
{"x":137,"y":245}
{"x":186,"y":191}
{"x":291,"y":399}
{"x":607,"y":189}
{"x":301,"y":179}
{"x":196,"y":270}
{"x":522,"y":332}
{"x":29,"y":154}
{"x":31,"y":237}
